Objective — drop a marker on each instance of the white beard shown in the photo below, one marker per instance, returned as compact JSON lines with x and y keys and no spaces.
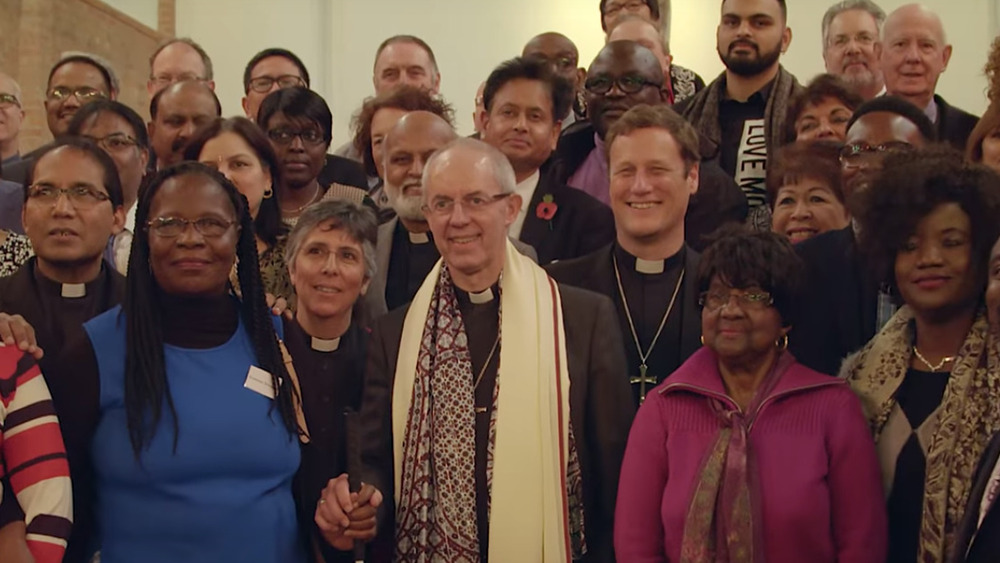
{"x":406,"y":206}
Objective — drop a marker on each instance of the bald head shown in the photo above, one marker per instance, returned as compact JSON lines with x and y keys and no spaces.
{"x":559,"y":52}
{"x":631,"y":27}
{"x":178,"y":111}
{"x":407,"y":147}
{"x":915,"y":52}
{"x":624,"y":75}
{"x":10,"y":86}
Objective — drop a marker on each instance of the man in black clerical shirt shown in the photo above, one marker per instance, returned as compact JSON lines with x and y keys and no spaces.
{"x":623,"y":75}
{"x":522,"y":100}
{"x":742,"y":112}
{"x":649,"y":272}
{"x":841,"y":305}
{"x":499,"y":468}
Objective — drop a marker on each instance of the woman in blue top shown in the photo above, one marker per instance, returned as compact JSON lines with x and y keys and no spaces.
{"x":194,"y":448}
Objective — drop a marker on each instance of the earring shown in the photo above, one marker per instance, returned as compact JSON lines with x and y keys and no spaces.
{"x":702,"y":339}
{"x":268,"y":192}
{"x":782,"y":344}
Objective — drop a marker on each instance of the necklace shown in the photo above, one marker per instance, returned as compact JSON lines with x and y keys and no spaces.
{"x":642,"y":380}
{"x":934,"y":367}
{"x":482,"y":371}
{"x":316,"y":193}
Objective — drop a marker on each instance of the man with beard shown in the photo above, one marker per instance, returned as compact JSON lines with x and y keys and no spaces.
{"x":624,"y":75}
{"x":916,"y":53}
{"x":743,"y":111}
{"x":177,"y":112}
{"x":851,"y":45}
{"x":841,"y":306}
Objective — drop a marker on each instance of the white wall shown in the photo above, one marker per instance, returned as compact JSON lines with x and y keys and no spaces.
{"x":144,"y":11}
{"x":337,"y":40}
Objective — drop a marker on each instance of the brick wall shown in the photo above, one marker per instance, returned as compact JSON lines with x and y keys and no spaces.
{"x":34,"y":32}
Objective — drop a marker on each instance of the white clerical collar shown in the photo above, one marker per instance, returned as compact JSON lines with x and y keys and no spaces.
{"x":649,"y":266}
{"x":418,"y":238}
{"x":325,"y":344}
{"x":481,"y":297}
{"x":74,"y":290}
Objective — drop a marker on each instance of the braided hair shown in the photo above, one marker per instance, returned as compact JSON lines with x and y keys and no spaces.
{"x":146,"y":384}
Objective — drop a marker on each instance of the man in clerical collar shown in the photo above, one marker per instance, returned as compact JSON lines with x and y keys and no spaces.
{"x":561,"y":54}
{"x":623,"y":75}
{"x":119,"y":130}
{"x":841,"y":305}
{"x":743,"y":111}
{"x":649,"y":272}
{"x":70,"y":211}
{"x":405,"y":252}
{"x":522,"y":101}
{"x":495,"y":414}
{"x":176,"y":112}
{"x":915,"y":54}
{"x":11,"y":117}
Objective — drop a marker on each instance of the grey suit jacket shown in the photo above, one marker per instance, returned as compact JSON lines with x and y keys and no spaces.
{"x":375,"y":297}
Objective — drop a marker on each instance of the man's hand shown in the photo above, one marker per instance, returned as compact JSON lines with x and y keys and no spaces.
{"x":343,"y":516}
{"x":15,"y":331}
{"x":13,"y":545}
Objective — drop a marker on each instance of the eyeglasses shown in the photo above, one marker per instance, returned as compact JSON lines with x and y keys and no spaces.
{"x":601,"y":85}
{"x":8,"y":100}
{"x":748,"y":301}
{"x":445,"y":206}
{"x":79,"y":196}
{"x":856,"y":154}
{"x":83,"y":93}
{"x":172,"y":227}
{"x":285,"y":136}
{"x":115,"y":142}
{"x":614,"y":7}
{"x":167,"y":79}
{"x":262,"y":84}
{"x":864,"y":39}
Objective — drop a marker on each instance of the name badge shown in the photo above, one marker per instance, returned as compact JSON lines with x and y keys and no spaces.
{"x":259,"y":381}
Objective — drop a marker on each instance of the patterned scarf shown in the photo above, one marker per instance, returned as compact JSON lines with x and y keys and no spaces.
{"x":723,"y":520}
{"x":968,"y":418}
{"x":435,"y":460}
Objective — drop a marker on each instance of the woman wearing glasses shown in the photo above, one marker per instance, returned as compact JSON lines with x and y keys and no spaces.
{"x":184,"y":397}
{"x":929,"y":391}
{"x":299,"y":124}
{"x":743,"y":454}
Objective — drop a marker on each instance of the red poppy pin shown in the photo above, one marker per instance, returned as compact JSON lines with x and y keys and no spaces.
{"x":546,"y":210}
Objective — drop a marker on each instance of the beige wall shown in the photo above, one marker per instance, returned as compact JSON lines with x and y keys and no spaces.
{"x":33,"y":33}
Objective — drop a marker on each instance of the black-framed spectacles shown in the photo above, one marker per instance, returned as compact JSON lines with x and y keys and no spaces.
{"x":83,"y":93}
{"x":285,"y":136}
{"x":748,"y":301}
{"x":172,"y":227}
{"x":7,"y":100}
{"x":115,"y":142}
{"x":628,"y":84}
{"x":855,"y":154}
{"x":79,"y":196}
{"x":262,"y":84}
{"x":444,"y":206}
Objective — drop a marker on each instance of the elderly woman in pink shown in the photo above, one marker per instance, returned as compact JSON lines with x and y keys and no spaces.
{"x":743,"y":454}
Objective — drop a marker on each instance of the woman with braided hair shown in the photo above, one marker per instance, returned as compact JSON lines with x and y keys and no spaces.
{"x":192,"y":412}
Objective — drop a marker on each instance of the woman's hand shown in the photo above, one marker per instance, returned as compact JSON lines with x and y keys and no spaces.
{"x":13,"y":544}
{"x":15,"y":331}
{"x":279,"y":306}
{"x":343,"y":516}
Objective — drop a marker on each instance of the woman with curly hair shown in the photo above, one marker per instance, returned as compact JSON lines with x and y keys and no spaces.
{"x":926,"y":382}
{"x":983,"y":145}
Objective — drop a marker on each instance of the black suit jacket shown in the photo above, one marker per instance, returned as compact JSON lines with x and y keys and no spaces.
{"x":20,"y":171}
{"x":601,"y":411}
{"x":581,"y":224}
{"x":595,"y":272}
{"x":835,"y":313}
{"x":982,"y":546}
{"x":340,"y":170}
{"x":953,"y":124}
{"x":718,"y":201}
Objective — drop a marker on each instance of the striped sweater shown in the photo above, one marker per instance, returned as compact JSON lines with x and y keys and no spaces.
{"x":32,"y":456}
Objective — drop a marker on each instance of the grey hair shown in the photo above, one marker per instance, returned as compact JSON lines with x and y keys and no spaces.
{"x":14,"y":86}
{"x":503,"y":172}
{"x":877,"y":13}
{"x":357,"y":221}
{"x":627,"y":17}
{"x":206,"y":61}
{"x":95,"y":60}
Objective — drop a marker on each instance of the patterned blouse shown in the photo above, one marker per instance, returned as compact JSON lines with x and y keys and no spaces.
{"x":15,"y":250}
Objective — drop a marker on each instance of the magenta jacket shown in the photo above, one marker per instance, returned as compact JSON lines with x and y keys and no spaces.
{"x":821,"y":487}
